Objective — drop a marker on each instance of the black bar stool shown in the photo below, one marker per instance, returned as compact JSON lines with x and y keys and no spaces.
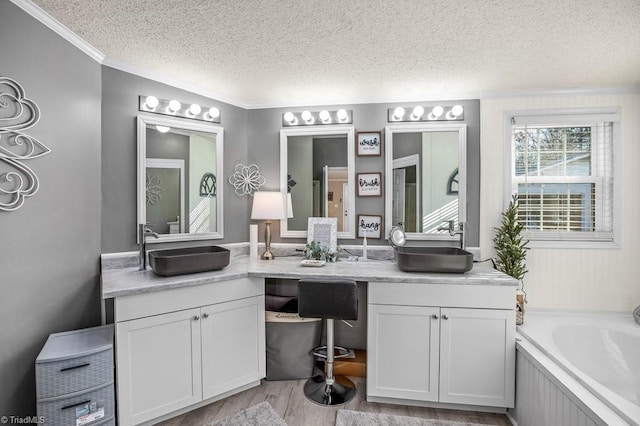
{"x":328,"y":300}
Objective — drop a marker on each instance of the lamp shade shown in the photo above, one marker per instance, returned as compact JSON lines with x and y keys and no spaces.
{"x":268,"y":205}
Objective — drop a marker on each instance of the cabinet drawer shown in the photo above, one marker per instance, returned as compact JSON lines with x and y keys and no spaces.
{"x":72,"y":375}
{"x":64,"y":410}
{"x":179,"y":299}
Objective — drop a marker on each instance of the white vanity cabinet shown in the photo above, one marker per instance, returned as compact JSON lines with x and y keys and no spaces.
{"x":177,"y":348}
{"x":446,"y":344}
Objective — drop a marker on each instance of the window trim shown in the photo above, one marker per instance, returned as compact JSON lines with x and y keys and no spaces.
{"x":567,"y":116}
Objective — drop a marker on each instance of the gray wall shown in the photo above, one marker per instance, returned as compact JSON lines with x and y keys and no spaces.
{"x":50,"y":247}
{"x":120,"y":91}
{"x":263,"y":132}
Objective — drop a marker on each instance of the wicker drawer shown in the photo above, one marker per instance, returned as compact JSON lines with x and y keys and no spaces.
{"x":73,"y":375}
{"x":63,"y":410}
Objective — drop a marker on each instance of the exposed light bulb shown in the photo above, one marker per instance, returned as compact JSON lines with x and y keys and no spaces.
{"x":194,"y":109}
{"x":457,"y":110}
{"x":163,"y":129}
{"x":214,"y":112}
{"x":174,"y":106}
{"x":417,"y":113}
{"x":342,"y":114}
{"x":398,"y":113}
{"x":151,"y":102}
{"x":289,"y":117}
{"x":436,"y":112}
{"x":325,"y":116}
{"x":306,"y":116}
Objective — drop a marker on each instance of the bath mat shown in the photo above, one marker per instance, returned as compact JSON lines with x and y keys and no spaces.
{"x":261,"y":414}
{"x":358,"y":418}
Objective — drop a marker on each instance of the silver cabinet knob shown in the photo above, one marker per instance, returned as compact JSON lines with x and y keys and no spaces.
{"x":435,"y":316}
{"x":196,"y":317}
{"x":205,"y":315}
{"x":446,"y":317}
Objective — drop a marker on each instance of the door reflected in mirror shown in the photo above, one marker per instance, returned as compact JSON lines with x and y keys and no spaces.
{"x":179,"y":194}
{"x":319,"y":176}
{"x":426,"y":163}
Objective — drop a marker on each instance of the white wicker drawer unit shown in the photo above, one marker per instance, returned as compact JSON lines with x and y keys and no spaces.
{"x":75,"y":378}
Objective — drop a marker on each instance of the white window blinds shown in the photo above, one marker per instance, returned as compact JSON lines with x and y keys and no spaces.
{"x":562,"y":171}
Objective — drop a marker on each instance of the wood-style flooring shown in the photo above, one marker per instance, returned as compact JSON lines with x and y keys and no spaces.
{"x":288,"y":400}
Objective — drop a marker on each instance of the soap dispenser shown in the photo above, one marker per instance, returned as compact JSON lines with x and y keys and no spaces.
{"x":364,"y":248}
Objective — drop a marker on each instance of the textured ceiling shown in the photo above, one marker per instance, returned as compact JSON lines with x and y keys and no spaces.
{"x":259,"y":53}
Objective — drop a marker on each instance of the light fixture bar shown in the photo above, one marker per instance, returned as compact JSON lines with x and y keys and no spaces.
{"x":425,"y":113}
{"x":317,"y":118}
{"x":175,"y":108}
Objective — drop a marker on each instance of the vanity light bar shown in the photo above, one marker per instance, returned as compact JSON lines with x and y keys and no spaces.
{"x":317,"y":118}
{"x":430,"y":113}
{"x":177,"y":109}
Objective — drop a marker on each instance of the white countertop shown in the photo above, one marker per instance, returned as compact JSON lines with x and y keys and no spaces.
{"x":130,"y":281}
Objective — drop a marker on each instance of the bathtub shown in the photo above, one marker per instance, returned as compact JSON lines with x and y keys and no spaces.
{"x":581,"y":369}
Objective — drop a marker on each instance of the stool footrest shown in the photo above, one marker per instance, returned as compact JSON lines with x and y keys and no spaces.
{"x":321,"y":351}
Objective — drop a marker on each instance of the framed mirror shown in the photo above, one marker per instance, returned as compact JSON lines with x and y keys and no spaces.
{"x":317,"y":170}
{"x":180,"y":178}
{"x":425,"y":185}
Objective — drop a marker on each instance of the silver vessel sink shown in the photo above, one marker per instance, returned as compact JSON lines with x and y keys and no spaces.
{"x":188,"y":260}
{"x":434,"y":259}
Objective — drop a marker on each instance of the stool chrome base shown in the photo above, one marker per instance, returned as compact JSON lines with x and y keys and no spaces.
{"x":340,"y":392}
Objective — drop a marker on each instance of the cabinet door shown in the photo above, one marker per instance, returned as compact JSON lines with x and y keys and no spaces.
{"x":402,"y":353}
{"x":233,"y":345}
{"x":159,"y":363}
{"x":477,"y":357}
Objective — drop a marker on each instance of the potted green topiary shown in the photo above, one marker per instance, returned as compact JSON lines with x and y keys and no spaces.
{"x":511,"y":249}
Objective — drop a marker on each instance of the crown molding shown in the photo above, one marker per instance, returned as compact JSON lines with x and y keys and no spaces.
{"x":57,"y":27}
{"x":615,"y":90}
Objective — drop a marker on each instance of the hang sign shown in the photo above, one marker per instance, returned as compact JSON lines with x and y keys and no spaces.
{"x":369,"y":226}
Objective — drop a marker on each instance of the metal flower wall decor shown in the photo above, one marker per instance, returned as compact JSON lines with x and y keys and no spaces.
{"x":17,"y":114}
{"x":246,"y":179}
{"x":154,"y":189}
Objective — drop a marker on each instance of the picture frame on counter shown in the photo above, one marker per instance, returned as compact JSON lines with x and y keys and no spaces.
{"x":369,"y":144}
{"x":323,"y":230}
{"x":369,"y":184}
{"x":370,"y":225}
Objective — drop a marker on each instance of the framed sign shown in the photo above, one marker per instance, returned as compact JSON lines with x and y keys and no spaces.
{"x":369,"y":226}
{"x":369,"y":184}
{"x":323,"y":230}
{"x":369,"y":143}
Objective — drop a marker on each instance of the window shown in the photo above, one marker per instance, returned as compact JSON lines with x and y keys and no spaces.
{"x":562,"y":170}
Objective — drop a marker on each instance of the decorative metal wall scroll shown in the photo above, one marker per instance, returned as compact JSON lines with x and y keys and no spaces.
{"x":17,"y":114}
{"x":246,"y":179}
{"x":290,"y":182}
{"x":154,"y":189}
{"x":208,"y":185}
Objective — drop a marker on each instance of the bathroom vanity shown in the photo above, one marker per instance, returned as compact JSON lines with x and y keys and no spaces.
{"x":445,"y":340}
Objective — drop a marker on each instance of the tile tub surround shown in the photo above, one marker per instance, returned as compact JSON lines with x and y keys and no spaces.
{"x":130,"y":281}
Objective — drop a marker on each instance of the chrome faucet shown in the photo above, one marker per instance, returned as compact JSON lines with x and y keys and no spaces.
{"x":143,"y":231}
{"x":452,"y":231}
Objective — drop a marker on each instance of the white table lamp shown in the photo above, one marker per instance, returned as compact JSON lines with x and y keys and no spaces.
{"x":268,"y":206}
